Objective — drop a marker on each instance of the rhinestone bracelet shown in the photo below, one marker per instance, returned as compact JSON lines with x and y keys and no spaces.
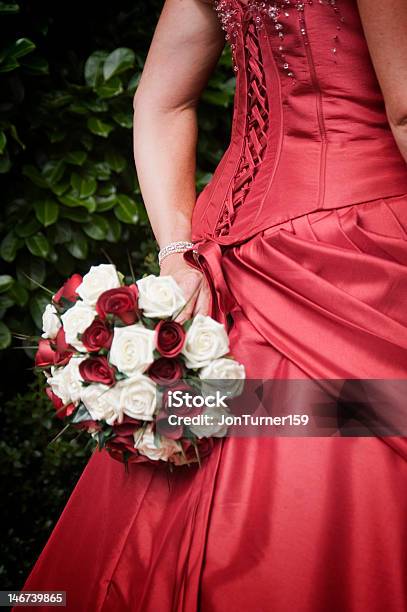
{"x":174,"y":247}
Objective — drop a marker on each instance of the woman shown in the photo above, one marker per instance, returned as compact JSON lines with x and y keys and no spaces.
{"x":301,"y":240}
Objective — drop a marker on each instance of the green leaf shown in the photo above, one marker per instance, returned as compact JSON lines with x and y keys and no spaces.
{"x":90,"y":203}
{"x":126,"y":209}
{"x":133,"y":83}
{"x":8,"y":64}
{"x":56,"y":99}
{"x":107,"y":189}
{"x":81,"y":414}
{"x":100,"y":170}
{"x":78,"y":247}
{"x":9,"y":247}
{"x":53,"y":171}
{"x":118,"y":61}
{"x":27,"y":227}
{"x":73,"y":201}
{"x":38,"y":245}
{"x":3,"y":141}
{"x":5,"y":336}
{"x":77,"y":158}
{"x":84,"y":186}
{"x":124,"y":119}
{"x":97,"y":228}
{"x":38,"y":303}
{"x":112,"y":87}
{"x":80,"y":215}
{"x":96,"y":106}
{"x":78,"y":108}
{"x":106,"y":203}
{"x":60,"y":188}
{"x":21,"y":47}
{"x":5,"y":163}
{"x":6,"y":281}
{"x":116,"y":161}
{"x":63,"y":232}
{"x":87,"y":141}
{"x":6,"y":302}
{"x":14,"y":134}
{"x":56,"y":135}
{"x":36,"y":65}
{"x":34,"y":269}
{"x":115,"y":230}
{"x":66,"y":264}
{"x":99,"y":127}
{"x":7,"y":8}
{"x":94,"y":68}
{"x":19,"y":294}
{"x":35,"y":177}
{"x":46,"y":211}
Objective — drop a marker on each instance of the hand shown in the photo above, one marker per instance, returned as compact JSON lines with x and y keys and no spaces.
{"x":193,"y":284}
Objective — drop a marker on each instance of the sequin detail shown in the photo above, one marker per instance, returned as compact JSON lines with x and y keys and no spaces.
{"x":233,"y":13}
{"x":255,"y":139}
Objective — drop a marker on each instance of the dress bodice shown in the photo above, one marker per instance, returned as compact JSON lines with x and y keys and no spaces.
{"x":309,"y":127}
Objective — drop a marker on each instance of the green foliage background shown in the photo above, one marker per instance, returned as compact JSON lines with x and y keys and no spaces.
{"x":70,"y":198}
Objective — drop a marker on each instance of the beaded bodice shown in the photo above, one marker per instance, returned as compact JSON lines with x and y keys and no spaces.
{"x":309,"y":128}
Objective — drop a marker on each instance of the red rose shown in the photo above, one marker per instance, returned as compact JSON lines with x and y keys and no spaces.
{"x":45,"y":356}
{"x":204,"y":448}
{"x":97,"y":336}
{"x":126,"y":427}
{"x":61,"y":410}
{"x":122,"y":442}
{"x":164,"y":427}
{"x":68,"y":290}
{"x":170,"y":338}
{"x":63,"y":351}
{"x":121,"y":302}
{"x":165,"y":371}
{"x":97,"y":370}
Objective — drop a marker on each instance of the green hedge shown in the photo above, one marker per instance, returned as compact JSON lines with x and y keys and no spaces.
{"x":70,"y":198}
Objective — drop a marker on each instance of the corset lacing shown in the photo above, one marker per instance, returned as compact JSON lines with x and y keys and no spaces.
{"x":255,"y":139}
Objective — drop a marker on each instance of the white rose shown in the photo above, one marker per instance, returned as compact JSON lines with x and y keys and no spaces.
{"x":206,"y":340}
{"x":96,"y":281}
{"x":160,"y":296}
{"x":75,"y":321}
{"x":60,"y":385}
{"x":138,"y":397}
{"x":50,"y":322}
{"x":132,"y":348}
{"x":212,"y":427}
{"x":102,"y":402}
{"x":66,"y":382}
{"x":225,"y":375}
{"x":74,"y":379}
{"x":155,"y":447}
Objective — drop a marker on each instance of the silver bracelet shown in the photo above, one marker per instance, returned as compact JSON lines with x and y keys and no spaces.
{"x":174,"y":247}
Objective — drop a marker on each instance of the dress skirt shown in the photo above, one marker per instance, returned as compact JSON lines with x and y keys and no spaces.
{"x":282,"y":524}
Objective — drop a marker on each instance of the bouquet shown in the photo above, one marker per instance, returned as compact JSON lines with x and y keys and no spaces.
{"x":120,"y":367}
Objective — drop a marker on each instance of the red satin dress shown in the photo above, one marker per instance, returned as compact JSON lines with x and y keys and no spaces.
{"x":302,"y":233}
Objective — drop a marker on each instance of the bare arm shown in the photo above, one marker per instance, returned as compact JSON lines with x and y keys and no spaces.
{"x":385,"y":26}
{"x":186,"y":46}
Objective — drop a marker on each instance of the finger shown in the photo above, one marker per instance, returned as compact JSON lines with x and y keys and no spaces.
{"x":203,"y":302}
{"x":186,"y":312}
